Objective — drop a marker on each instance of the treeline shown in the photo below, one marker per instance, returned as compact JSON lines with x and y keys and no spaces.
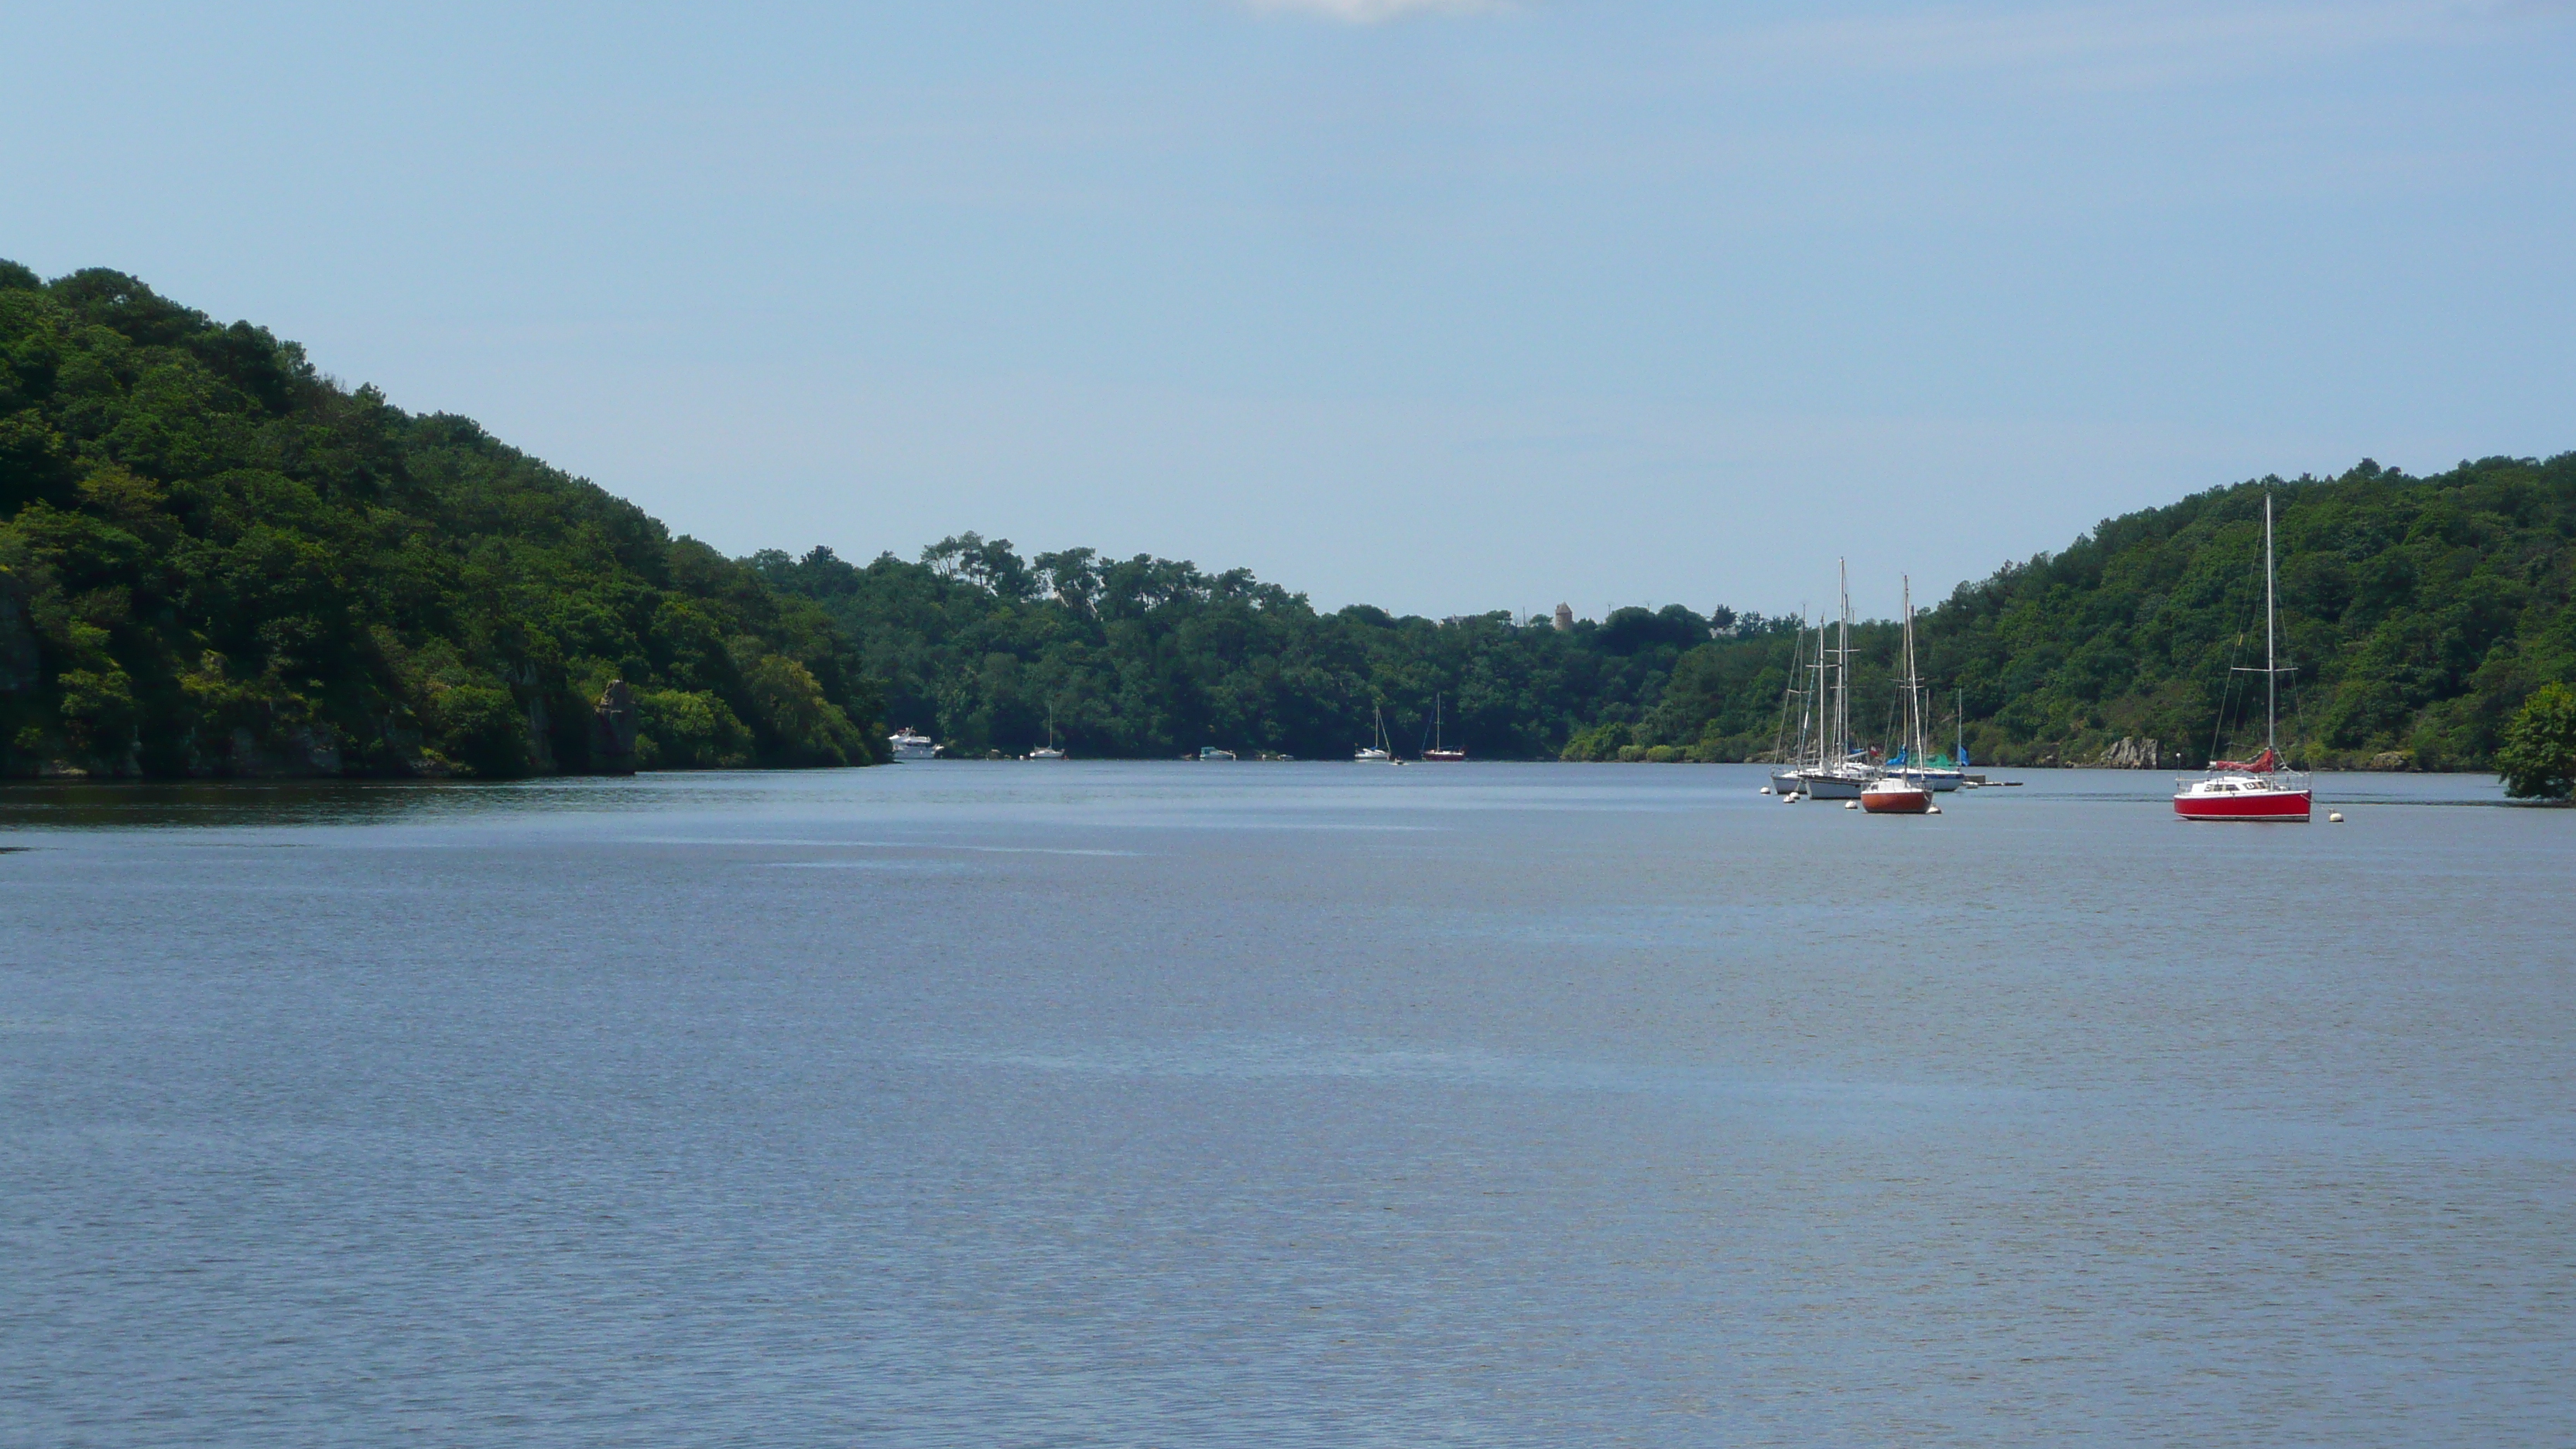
{"x":2418,"y":612}
{"x":214,"y":560}
{"x":1147,"y":657}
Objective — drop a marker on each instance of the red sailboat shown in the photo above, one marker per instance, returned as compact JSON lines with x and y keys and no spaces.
{"x":2255,"y":789}
{"x":1894,"y":793}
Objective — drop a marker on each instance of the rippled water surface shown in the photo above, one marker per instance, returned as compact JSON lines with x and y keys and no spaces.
{"x":1289,"y":1104}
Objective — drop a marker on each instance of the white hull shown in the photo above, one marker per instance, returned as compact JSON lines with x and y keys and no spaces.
{"x":1827,"y":785}
{"x":908,"y":747}
{"x":1369,"y":757}
{"x":1046,"y":754}
{"x":1942,"y":781}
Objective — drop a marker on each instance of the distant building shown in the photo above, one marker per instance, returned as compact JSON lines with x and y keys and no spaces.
{"x":1564,"y":617}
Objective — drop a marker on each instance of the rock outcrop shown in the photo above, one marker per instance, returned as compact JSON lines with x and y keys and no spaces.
{"x":2131,"y":754}
{"x":612,"y":730}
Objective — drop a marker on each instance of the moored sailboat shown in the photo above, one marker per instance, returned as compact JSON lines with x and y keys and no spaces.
{"x":1836,"y":773}
{"x":1895,"y":792}
{"x":1435,"y":752}
{"x":1379,"y":750}
{"x":1048,"y":751}
{"x":2255,"y":789}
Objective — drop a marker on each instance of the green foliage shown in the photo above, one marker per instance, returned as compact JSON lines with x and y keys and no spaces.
{"x":213,"y":559}
{"x":2538,"y":760}
{"x":1148,"y":657}
{"x":2418,"y":613}
{"x":688,"y":730}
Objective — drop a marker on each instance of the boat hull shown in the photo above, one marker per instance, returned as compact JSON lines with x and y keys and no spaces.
{"x":1445,"y":757}
{"x":1886,"y":799}
{"x":1786,"y":782}
{"x":1829,"y":787}
{"x":2293,"y":806}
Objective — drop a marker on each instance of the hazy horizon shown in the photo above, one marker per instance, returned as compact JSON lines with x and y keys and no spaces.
{"x":1443,"y":307}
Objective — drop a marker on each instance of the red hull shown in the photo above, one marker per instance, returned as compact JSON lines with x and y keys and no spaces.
{"x":2290,"y":805}
{"x":1896,"y":802}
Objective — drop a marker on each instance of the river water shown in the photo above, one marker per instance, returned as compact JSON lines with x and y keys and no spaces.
{"x":1139,"y":1104}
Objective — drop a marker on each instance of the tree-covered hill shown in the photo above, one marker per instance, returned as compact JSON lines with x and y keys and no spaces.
{"x":1145,"y":657}
{"x":2419,"y":613}
{"x":214,"y":560}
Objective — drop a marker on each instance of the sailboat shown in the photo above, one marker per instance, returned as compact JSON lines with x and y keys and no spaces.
{"x":1050,"y":752}
{"x":1436,"y":753}
{"x":1941,"y":773}
{"x":1895,"y":792}
{"x":2255,"y":789}
{"x":1784,"y":780}
{"x":1834,"y":774}
{"x":1379,"y":750}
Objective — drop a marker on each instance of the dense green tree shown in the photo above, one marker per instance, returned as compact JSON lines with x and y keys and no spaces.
{"x":214,"y":560}
{"x":2417,"y":614}
{"x":2538,"y":760}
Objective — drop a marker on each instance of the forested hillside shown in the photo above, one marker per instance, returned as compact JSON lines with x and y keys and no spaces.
{"x":213,"y":560}
{"x":2419,"y":613}
{"x":1146,"y":656}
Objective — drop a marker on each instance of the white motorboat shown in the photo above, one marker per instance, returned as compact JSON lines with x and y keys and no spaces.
{"x":1211,"y":752}
{"x":909,"y":745}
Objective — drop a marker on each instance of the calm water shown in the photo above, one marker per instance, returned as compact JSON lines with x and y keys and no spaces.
{"x":1290,"y":1104}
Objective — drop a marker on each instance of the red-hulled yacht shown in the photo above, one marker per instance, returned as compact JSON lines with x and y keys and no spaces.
{"x":2255,"y":789}
{"x":1892,"y":793}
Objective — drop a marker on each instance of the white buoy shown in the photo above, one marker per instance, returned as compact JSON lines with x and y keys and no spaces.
{"x":1766,"y":789}
{"x":2335,"y":818}
{"x":1935,"y":810}
{"x":1851,"y":804}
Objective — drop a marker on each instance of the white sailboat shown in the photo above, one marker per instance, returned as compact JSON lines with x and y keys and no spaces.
{"x":1378,"y":751}
{"x":1835,"y":775}
{"x":1784,"y":780}
{"x":1436,"y":752}
{"x":1048,"y":751}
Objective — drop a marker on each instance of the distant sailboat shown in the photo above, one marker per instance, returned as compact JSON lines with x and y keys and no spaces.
{"x":1378,"y":751}
{"x":1435,"y":752}
{"x":1788,"y":758}
{"x":1049,"y":752}
{"x":1834,"y":774}
{"x":1894,"y":793}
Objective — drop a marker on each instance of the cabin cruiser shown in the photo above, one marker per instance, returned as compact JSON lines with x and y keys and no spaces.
{"x":909,"y":745}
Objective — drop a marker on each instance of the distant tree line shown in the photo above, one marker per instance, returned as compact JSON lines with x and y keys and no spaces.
{"x":2419,"y":614}
{"x":215,"y":560}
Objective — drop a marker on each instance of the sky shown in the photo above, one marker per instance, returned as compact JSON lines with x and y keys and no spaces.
{"x":1446,"y":307}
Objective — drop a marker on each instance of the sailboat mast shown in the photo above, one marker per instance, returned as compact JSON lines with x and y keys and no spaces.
{"x":2271,"y":666}
{"x":1842,"y":673}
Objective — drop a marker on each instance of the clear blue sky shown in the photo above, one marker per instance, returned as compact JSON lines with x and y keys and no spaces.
{"x":1442,"y":306}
